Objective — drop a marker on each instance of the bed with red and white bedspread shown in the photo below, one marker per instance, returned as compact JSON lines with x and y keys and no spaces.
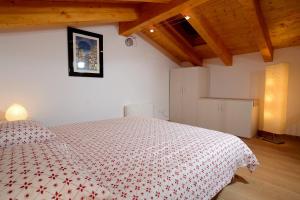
{"x":141,"y":158}
{"x":128,"y":158}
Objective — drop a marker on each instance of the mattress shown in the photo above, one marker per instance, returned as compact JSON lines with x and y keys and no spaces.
{"x":144,"y":158}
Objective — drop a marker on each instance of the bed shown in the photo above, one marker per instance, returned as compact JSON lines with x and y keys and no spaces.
{"x":145,"y":158}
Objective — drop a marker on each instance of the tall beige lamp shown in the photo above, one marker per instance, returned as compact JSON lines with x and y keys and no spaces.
{"x":275,"y":101}
{"x":16,"y":112}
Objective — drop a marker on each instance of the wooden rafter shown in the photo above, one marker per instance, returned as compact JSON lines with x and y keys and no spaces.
{"x":148,"y":1}
{"x":202,"y":26}
{"x":255,"y":18}
{"x":154,"y":14}
{"x":176,"y":34}
{"x":20,"y":16}
{"x":116,"y":1}
{"x":159,"y":46}
{"x":165,"y":37}
{"x":181,"y":42}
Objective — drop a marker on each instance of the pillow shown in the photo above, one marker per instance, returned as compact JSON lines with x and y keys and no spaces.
{"x":23,"y":132}
{"x":43,"y":171}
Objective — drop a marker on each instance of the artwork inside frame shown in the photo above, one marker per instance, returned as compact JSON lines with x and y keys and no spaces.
{"x":85,"y":53}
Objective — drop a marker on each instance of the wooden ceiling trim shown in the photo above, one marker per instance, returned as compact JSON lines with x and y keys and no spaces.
{"x":166,"y":39}
{"x":20,"y":17}
{"x":154,"y":14}
{"x":202,"y":26}
{"x":259,"y":28}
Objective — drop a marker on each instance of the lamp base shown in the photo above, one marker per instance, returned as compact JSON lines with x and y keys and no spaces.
{"x":273,"y":139}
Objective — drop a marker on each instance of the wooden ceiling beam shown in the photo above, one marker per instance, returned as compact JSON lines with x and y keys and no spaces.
{"x":115,"y":1}
{"x":20,"y":17}
{"x":176,"y":34}
{"x":159,"y":46}
{"x":202,"y":26}
{"x":154,"y":14}
{"x":259,"y":28}
{"x":141,"y":1}
{"x":65,"y":3}
{"x":174,"y":45}
{"x":181,"y":42}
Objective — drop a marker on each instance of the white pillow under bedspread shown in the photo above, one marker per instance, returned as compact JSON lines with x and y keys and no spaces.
{"x":139,"y":158}
{"x":23,"y":132}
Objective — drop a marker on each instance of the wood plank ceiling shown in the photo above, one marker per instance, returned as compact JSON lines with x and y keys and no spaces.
{"x":185,"y":30}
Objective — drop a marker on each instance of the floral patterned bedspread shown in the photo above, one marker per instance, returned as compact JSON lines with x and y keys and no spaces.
{"x":140,"y":158}
{"x":45,"y":171}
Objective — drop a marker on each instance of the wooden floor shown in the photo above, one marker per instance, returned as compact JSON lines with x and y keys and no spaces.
{"x":277,"y":177}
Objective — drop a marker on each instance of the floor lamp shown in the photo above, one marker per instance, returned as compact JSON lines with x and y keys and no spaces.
{"x":275,"y":101}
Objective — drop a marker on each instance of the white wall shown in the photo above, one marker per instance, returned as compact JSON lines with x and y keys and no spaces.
{"x":34,"y":73}
{"x":245,"y":79}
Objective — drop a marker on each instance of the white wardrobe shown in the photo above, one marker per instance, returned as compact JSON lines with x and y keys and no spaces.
{"x":187,"y":85}
{"x":189,"y":104}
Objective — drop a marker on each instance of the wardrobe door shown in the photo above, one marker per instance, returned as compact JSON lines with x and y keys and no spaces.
{"x":176,"y":91}
{"x":190,"y":84}
{"x":209,"y":114}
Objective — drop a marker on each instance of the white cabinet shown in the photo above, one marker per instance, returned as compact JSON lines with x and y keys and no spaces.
{"x":188,"y":105}
{"x":187,"y":85}
{"x":236,"y":116}
{"x":209,"y":114}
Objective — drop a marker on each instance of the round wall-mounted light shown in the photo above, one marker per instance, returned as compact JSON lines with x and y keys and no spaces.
{"x":16,"y":112}
{"x":131,"y":41}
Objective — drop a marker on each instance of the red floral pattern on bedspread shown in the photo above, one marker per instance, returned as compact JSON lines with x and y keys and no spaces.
{"x":42,"y":171}
{"x":137,"y":158}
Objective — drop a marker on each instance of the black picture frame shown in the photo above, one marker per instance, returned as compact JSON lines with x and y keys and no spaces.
{"x":85,"y":53}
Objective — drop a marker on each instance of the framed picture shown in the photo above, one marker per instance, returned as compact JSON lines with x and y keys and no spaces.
{"x":85,"y":53}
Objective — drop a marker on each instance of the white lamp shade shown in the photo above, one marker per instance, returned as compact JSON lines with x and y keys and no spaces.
{"x":16,"y":112}
{"x":275,"y":102}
